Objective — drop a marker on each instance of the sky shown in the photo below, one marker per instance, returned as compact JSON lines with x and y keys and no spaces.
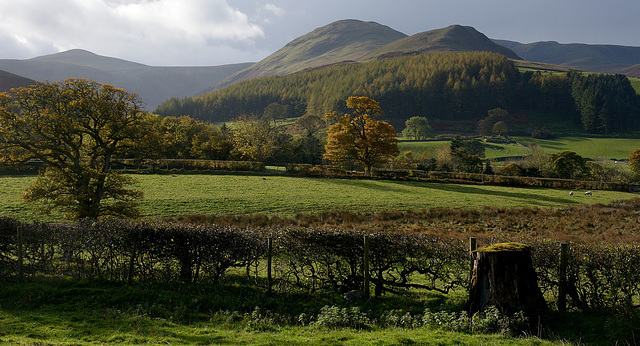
{"x":218,"y":32}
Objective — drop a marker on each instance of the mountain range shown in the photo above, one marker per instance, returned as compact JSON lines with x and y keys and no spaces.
{"x":341,"y":42}
{"x":593,"y":58}
{"x":153,"y":84}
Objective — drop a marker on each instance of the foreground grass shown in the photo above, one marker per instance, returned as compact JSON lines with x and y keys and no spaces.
{"x":55,"y":312}
{"x":168,"y":195}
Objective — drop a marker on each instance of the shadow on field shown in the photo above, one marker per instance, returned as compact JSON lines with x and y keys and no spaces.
{"x":532,"y":197}
{"x":535,"y":197}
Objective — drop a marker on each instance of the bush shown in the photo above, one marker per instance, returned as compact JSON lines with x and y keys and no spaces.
{"x":335,"y":317}
{"x":542,"y":133}
{"x":511,"y":169}
{"x":488,"y":321}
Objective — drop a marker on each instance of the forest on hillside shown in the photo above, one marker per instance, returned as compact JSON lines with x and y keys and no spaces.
{"x":442,"y":87}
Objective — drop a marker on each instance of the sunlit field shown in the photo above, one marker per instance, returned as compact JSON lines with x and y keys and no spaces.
{"x":170,"y":195}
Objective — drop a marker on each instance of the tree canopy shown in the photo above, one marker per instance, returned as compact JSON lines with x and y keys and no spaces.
{"x":568,"y":165}
{"x":418,"y":128}
{"x":359,"y":137}
{"x":76,"y":128}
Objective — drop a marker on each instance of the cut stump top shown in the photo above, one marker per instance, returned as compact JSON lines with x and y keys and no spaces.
{"x":504,"y":247}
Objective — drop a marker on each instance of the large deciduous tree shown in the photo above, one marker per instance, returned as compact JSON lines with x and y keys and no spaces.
{"x":568,"y":165}
{"x":255,"y":140}
{"x":359,"y":137}
{"x":418,"y":128}
{"x":76,"y":128}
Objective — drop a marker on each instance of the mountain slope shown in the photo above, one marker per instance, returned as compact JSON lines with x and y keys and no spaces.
{"x":10,"y":80}
{"x":345,"y":40}
{"x":454,"y":38}
{"x":593,"y":58}
{"x":153,"y":84}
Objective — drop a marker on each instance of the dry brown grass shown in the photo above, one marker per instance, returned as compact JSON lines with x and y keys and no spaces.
{"x":617,"y":223}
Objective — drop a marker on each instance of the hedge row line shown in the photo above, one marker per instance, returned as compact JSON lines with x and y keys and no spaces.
{"x":302,"y":259}
{"x":156,"y":165}
{"x":152,"y":166}
{"x":458,"y":177}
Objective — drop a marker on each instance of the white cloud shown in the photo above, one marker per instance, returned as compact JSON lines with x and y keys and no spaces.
{"x":142,"y":29}
{"x":274,"y":9}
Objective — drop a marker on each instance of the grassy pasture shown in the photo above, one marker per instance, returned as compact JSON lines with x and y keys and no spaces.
{"x":594,"y":148}
{"x":168,"y":195}
{"x":635,"y":83}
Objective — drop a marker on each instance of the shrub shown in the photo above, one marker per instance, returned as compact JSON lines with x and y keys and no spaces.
{"x":335,"y":317}
{"x":542,"y":133}
{"x":511,"y":169}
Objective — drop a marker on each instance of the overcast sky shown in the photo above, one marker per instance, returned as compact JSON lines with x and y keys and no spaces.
{"x":216,"y":32}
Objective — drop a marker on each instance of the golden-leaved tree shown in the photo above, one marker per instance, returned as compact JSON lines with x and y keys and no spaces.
{"x":75,"y":128}
{"x":359,"y":137}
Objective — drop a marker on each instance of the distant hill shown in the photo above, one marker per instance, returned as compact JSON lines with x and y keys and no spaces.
{"x":348,"y":41}
{"x":454,"y":38}
{"x":593,"y":58}
{"x":153,"y":84}
{"x":345,"y":40}
{"x":10,"y":80}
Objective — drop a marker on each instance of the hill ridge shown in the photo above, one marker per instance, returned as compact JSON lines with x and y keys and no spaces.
{"x":154,"y":84}
{"x":603,"y":58}
{"x":343,"y":40}
{"x":450,"y":39}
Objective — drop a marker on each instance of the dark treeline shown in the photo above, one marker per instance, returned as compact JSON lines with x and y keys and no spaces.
{"x":445,"y":86}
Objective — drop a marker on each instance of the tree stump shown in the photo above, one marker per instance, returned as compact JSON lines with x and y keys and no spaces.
{"x":503,"y":276}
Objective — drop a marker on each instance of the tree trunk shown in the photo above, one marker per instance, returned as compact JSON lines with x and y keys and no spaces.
{"x":503,"y":276}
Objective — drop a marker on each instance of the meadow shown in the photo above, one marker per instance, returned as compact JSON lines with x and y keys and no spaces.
{"x":171,"y":195}
{"x":588,"y":147}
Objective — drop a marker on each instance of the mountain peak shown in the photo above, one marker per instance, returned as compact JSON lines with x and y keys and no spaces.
{"x":454,"y":38}
{"x":343,"y":40}
{"x":86,"y":58}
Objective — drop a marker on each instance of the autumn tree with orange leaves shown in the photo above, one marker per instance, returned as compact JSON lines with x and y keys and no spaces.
{"x":359,"y":137}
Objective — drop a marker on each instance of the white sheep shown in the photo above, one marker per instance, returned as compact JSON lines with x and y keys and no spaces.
{"x":570,"y":193}
{"x":588,"y":193}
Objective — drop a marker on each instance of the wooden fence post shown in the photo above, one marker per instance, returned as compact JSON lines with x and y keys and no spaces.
{"x":131,"y":263}
{"x":473,"y":246}
{"x":269,"y":255}
{"x":20,"y":254}
{"x":365,"y":269}
{"x":562,"y":276}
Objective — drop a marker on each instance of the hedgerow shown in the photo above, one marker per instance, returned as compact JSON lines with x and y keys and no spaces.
{"x":307,"y":259}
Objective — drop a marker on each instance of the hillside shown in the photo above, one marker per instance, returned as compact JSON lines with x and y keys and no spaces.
{"x":153,"y":84}
{"x":592,"y":58}
{"x":446,"y":86}
{"x":10,"y":80}
{"x":345,"y":40}
{"x":454,"y":38}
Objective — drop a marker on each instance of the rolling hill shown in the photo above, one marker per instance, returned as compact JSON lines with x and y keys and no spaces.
{"x":593,"y":58}
{"x":153,"y":84}
{"x":345,"y":40}
{"x":454,"y":38}
{"x":357,"y":41}
{"x":10,"y":80}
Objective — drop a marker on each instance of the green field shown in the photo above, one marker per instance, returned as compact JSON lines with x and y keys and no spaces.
{"x":635,"y":83}
{"x":588,"y":147}
{"x":169,"y":195}
{"x":97,"y":313}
